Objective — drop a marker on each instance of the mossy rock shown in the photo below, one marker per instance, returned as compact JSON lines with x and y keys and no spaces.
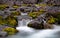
{"x":34,"y":14}
{"x":38,"y":25}
{"x":2,"y":22}
{"x":10,"y":30}
{"x":52,"y":20}
{"x":15,"y":13}
{"x":12,"y":21}
{"x":15,"y":6}
{"x":56,"y":16}
{"x":3,"y":6}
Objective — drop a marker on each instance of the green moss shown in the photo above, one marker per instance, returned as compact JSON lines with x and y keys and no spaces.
{"x":52,"y":20}
{"x":15,"y":13}
{"x":41,"y":4}
{"x":12,"y":21}
{"x":3,"y":6}
{"x":10,"y":30}
{"x":2,"y":22}
{"x":16,"y":6}
{"x":33,"y":14}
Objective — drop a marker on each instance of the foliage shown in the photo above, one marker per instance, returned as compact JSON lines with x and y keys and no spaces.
{"x":37,"y":4}
{"x":41,"y":11}
{"x":34,"y":14}
{"x":3,"y":6}
{"x":15,"y":13}
{"x":11,"y":21}
{"x":1,"y":17}
{"x":52,"y":20}
{"x":41,"y":4}
{"x":2,"y":22}
{"x":10,"y":30}
{"x":15,"y":6}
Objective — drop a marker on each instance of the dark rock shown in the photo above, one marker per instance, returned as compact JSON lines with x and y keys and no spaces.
{"x":38,"y":25}
{"x":35,"y":24}
{"x":22,"y":9}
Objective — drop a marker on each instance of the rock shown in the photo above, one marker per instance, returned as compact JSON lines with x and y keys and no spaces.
{"x":10,"y":30}
{"x":35,"y":24}
{"x":39,"y":25}
{"x":48,"y":26}
{"x":3,"y":34}
{"x":22,"y":9}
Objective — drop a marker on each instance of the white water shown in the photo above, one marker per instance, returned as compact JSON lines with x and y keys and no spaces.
{"x":23,"y":13}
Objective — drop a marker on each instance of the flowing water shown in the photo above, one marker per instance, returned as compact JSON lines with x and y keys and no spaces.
{"x":27,"y":32}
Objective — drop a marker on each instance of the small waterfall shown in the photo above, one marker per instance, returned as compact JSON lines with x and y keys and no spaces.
{"x":27,"y":32}
{"x":23,"y":22}
{"x":22,"y":25}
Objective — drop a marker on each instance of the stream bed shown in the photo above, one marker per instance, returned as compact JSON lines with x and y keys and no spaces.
{"x":27,"y":32}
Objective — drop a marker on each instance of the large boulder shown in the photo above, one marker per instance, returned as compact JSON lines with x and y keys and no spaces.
{"x":39,"y":25}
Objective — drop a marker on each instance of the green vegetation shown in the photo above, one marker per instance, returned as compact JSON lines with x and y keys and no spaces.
{"x":34,"y":14}
{"x":42,"y":4}
{"x":15,"y":13}
{"x":2,"y":22}
{"x":58,"y":17}
{"x":10,"y":30}
{"x":12,"y":21}
{"x":52,"y":20}
{"x":15,"y":6}
{"x":3,"y":6}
